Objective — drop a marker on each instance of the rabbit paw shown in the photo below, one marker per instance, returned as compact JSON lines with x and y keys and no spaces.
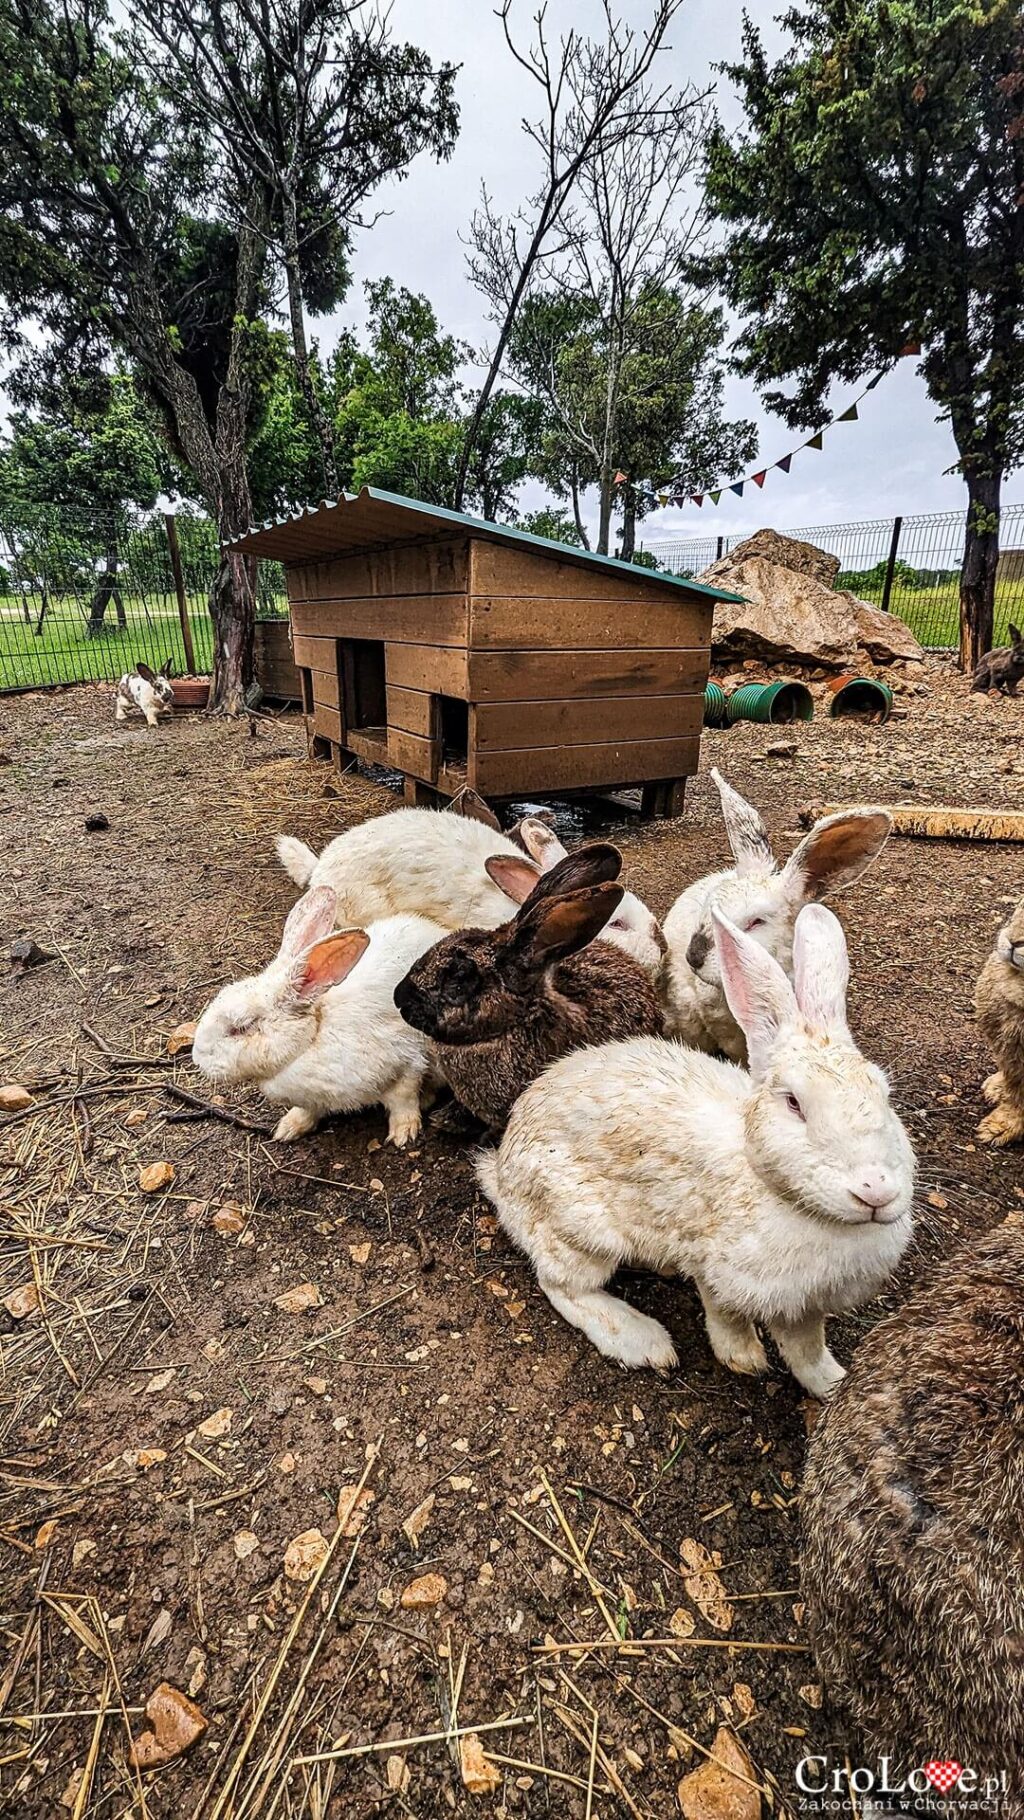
{"x":1003,"y":1126}
{"x":736,"y":1345}
{"x":403,"y":1128}
{"x":296,"y":1123}
{"x":820,"y":1379}
{"x":992,"y":1088}
{"x":642,"y":1341}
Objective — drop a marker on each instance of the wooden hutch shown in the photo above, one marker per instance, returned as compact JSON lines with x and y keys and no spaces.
{"x":462,"y":652}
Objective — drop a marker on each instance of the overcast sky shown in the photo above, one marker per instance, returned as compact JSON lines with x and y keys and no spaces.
{"x":893,"y":459}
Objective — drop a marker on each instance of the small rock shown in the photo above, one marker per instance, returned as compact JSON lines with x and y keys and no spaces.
{"x":716,"y":1793}
{"x":297,"y":1300}
{"x":229,"y":1219}
{"x":137,"y":1116}
{"x":353,"y":1506}
{"x":398,"y":1775}
{"x":82,"y":1550}
{"x":27,"y":953}
{"x":422,"y":1594}
{"x":415,"y":1524}
{"x":155,"y":1177}
{"x":304,"y":1554}
{"x":176,"y":1723}
{"x":15,"y":1099}
{"x":782,"y":748}
{"x":245,"y":1543}
{"x":478,"y":1776}
{"x":96,"y":822}
{"x":216,"y":1425}
{"x":22,"y":1302}
{"x":181,"y":1037}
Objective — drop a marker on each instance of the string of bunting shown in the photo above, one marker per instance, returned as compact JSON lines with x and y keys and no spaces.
{"x":671,"y":496}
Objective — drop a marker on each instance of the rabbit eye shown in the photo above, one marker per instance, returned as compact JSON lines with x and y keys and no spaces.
{"x":793,"y":1105}
{"x":756,"y":922}
{"x":241,"y":1029}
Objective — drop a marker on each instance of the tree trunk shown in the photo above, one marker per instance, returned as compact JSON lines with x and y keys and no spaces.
{"x":978,"y":575}
{"x":576,"y":512}
{"x":628,"y":546}
{"x":319,"y":421}
{"x":106,"y":591}
{"x":604,"y":523}
{"x":233,"y":595}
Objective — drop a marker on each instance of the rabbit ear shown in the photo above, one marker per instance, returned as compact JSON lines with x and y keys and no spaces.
{"x":597,"y":864}
{"x":757,"y":991}
{"x":309,"y":919}
{"x":167,"y":668}
{"x":835,"y":853}
{"x":745,"y":831}
{"x":468,"y":803}
{"x":555,"y":927}
{"x":1014,"y":634}
{"x":327,"y":963}
{"x":821,"y":968}
{"x":516,"y":877}
{"x":144,"y":671}
{"x":541,"y":842}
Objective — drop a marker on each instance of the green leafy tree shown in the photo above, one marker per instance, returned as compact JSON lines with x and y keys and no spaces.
{"x":553,"y":522}
{"x":874,"y":200}
{"x":87,"y":455}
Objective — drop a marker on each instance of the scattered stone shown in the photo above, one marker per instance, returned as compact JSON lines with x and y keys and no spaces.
{"x":703,"y":1584}
{"x":478,"y":1776}
{"x":176,"y":1723}
{"x":15,"y":1099}
{"x":137,"y":1116}
{"x":398,"y":1775}
{"x":304,"y":1554}
{"x":229,"y":1219}
{"x":353,"y":1508}
{"x":216,"y":1425}
{"x":682,"y":1622}
{"x":82,"y":1550}
{"x":245,"y":1543}
{"x":297,"y":1300}
{"x":422,"y":1594}
{"x":155,"y":1177}
{"x":96,"y":822}
{"x":181,"y":1037}
{"x":781,"y":748}
{"x":27,"y":953}
{"x":713,"y":1792}
{"x":160,"y":1379}
{"x":144,"y":1457}
{"x":415,"y":1524}
{"x":22,"y":1302}
{"x":45,"y":1533}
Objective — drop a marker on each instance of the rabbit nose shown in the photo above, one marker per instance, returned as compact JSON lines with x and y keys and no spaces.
{"x":875,"y":1189}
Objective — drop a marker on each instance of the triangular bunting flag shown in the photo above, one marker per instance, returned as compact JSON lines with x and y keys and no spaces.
{"x":873,"y":382}
{"x":785,"y":463}
{"x":849,"y":415}
{"x":759,"y":479}
{"x":663,"y":499}
{"x":715,"y":497}
{"x":912,"y":347}
{"x":619,"y":478}
{"x":815,"y":441}
{"x":737,"y":487}
{"x":698,"y":498}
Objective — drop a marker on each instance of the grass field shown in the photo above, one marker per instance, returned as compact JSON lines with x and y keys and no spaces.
{"x":63,"y":652}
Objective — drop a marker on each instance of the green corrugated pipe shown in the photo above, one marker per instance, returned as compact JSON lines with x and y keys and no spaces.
{"x":774,"y":702}
{"x":715,"y":705}
{"x":860,"y":695}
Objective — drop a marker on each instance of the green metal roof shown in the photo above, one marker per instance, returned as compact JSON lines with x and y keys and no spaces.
{"x":374,"y":519}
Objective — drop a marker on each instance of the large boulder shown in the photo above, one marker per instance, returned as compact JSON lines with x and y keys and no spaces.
{"x":792,"y":613}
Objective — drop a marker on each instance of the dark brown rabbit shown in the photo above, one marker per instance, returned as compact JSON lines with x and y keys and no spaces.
{"x":913,"y":1515}
{"x":1003,"y":668}
{"x":500,"y":1004}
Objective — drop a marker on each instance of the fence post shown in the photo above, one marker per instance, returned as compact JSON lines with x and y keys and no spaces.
{"x":897,"y":526}
{"x":718,"y":551}
{"x":179,"y":589}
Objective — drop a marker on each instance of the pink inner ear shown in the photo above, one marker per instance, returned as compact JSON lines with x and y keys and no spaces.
{"x":329,"y":962}
{"x":516,"y":877}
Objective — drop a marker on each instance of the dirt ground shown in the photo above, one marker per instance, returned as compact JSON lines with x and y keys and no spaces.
{"x":559,"y":1497}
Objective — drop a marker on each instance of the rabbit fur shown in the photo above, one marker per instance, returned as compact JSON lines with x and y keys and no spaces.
{"x":999,"y":1001}
{"x":913,"y":1510}
{"x":431,"y":863}
{"x":317,"y":1030}
{"x":784,"y":1193}
{"x":761,"y":900}
{"x":1003,"y":668}
{"x":501,"y":1004}
{"x":148,"y":691}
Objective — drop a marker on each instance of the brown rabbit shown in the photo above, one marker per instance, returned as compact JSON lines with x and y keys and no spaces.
{"x":1003,"y":668}
{"x":913,"y":1512}
{"x":999,"y":1001}
{"x":500,"y":1004}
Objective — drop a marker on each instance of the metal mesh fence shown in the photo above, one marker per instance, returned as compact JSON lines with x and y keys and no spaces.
{"x":83,"y":597}
{"x":909,"y":566}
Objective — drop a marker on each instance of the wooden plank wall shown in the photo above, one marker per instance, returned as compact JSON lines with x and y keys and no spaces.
{"x":575,"y":678}
{"x":580,"y":678}
{"x":276,"y":671}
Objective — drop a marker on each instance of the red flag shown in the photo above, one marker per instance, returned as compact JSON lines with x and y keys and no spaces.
{"x":698,"y":498}
{"x":619,"y":478}
{"x":759,"y":479}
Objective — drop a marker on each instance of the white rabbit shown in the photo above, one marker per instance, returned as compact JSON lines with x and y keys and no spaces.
{"x":315,"y":1040}
{"x":785,"y":1194}
{"x":147,"y":690}
{"x":633,"y":928}
{"x":431,"y":863}
{"x":759,"y":899}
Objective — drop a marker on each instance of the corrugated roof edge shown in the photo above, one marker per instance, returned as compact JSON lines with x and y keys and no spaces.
{"x":481,"y":527}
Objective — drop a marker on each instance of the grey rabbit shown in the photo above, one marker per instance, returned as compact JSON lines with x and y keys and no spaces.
{"x":913,"y":1512}
{"x":1003,"y":668}
{"x":501,"y":1004}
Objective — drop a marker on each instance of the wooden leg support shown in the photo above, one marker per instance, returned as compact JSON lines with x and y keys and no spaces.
{"x":663,"y":799}
{"x":319,"y":747}
{"x":421,"y":795}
